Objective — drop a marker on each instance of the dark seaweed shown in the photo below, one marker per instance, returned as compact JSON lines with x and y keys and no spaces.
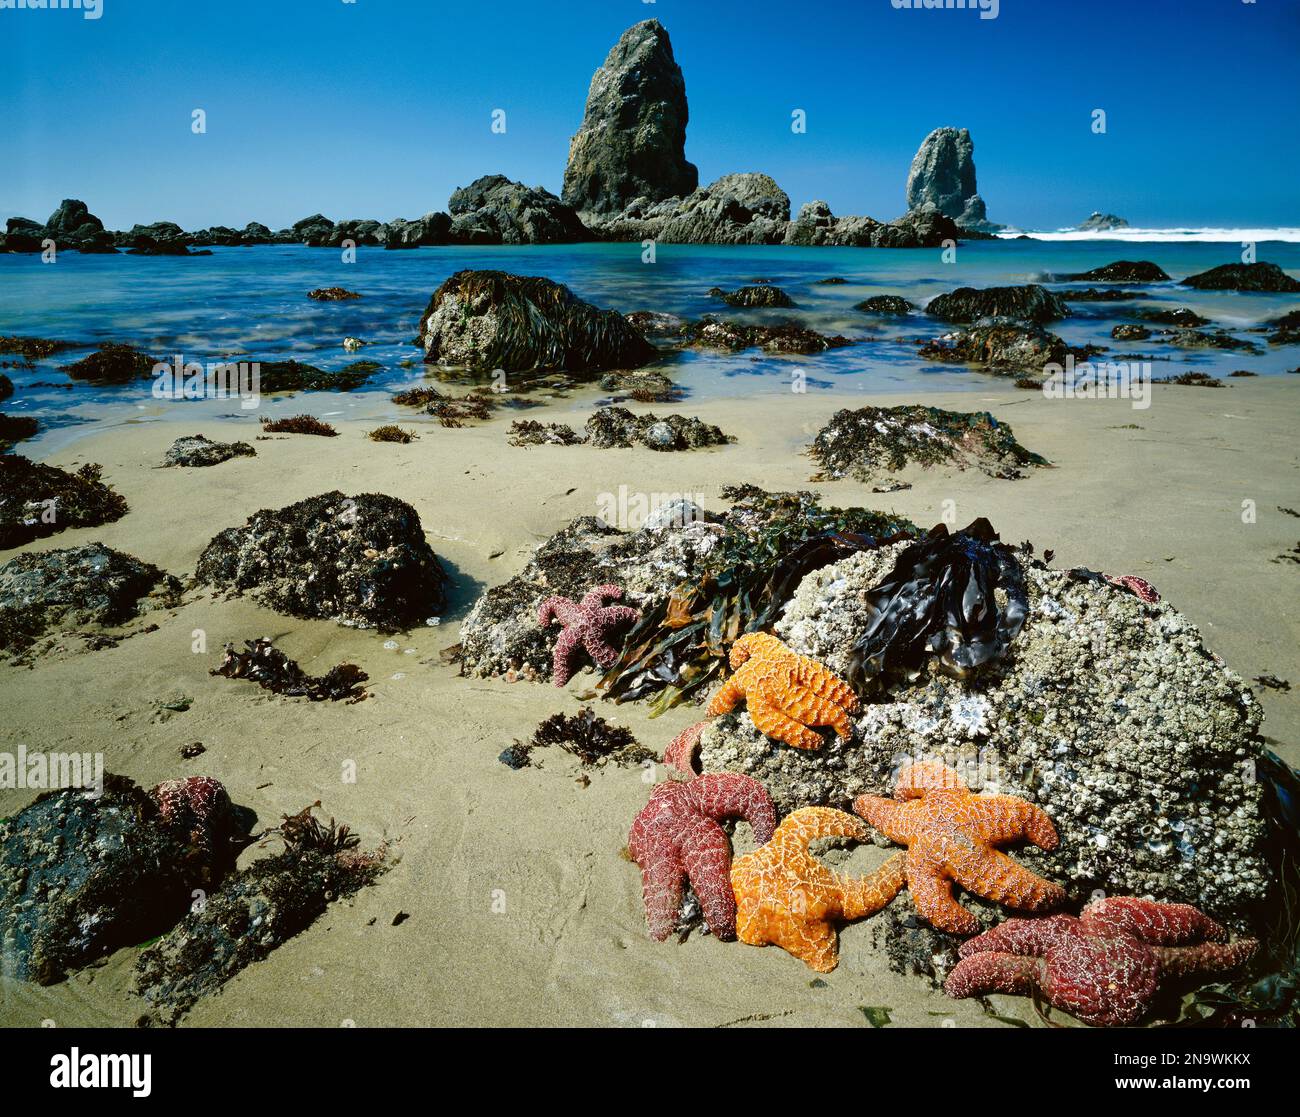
{"x":940,"y":600}
{"x":271,"y":669}
{"x":591,"y":739}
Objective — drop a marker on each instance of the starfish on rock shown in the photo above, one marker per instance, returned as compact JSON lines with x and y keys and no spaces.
{"x":951,"y":834}
{"x":1139,"y":587}
{"x":1106,"y":966}
{"x":199,"y":807}
{"x":787,"y":897}
{"x":589,"y":625}
{"x":680,"y":753}
{"x":784,"y":692}
{"x":677,"y":837}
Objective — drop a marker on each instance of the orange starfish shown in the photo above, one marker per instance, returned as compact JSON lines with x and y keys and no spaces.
{"x":950,"y":834}
{"x":784,"y":692}
{"x":785,"y":896}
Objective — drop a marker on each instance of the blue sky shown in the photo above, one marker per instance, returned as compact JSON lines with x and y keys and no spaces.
{"x":379,"y":108}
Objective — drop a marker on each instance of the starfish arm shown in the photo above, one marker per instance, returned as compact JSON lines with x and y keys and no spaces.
{"x":555,"y":608}
{"x":932,"y":895}
{"x":731,"y":795}
{"x":817,"y":945}
{"x":891,"y":818}
{"x":1204,"y":958}
{"x":805,"y":708}
{"x":773,"y":723}
{"x":1004,"y":818}
{"x":564,"y":659}
{"x":598,"y":647}
{"x":680,"y":753}
{"x":742,"y":648}
{"x":811,"y":823}
{"x":661,"y":890}
{"x":726,"y":699}
{"x":826,"y":685}
{"x":1023,"y":936}
{"x":865,"y":896}
{"x":706,"y":856}
{"x":595,"y":598}
{"x":1163,"y":924}
{"x":993,"y":973}
{"x":996,"y":877}
{"x":926,"y":775}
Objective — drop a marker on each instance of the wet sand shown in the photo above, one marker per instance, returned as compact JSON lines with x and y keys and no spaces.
{"x":521,"y":908}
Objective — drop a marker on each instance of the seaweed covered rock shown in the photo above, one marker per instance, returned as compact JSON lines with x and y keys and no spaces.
{"x":783,"y":337}
{"x":77,"y":586}
{"x":1243,"y":277}
{"x":884,"y":304}
{"x":83,"y":874}
{"x":999,"y":343}
{"x":761,"y":294}
{"x":361,"y":561}
{"x":1122,"y":271}
{"x":644,"y":387}
{"x":1204,"y":339}
{"x":38,"y":500}
{"x":1106,"y":711}
{"x":1029,"y":303}
{"x":6,"y":387}
{"x":617,"y":427}
{"x":196,"y":450}
{"x":256,"y":910}
{"x":871,"y":441}
{"x":494,"y":210}
{"x":16,"y":428}
{"x":112,"y":364}
{"x":485,"y":320}
{"x":297,"y":376}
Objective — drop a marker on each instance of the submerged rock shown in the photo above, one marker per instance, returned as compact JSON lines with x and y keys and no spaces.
{"x":763,"y":294}
{"x":38,"y":500}
{"x":77,"y":586}
{"x":784,"y":337}
{"x":83,"y":875}
{"x":1107,"y":712}
{"x":1121,"y":271}
{"x":485,"y":320}
{"x":884,"y":304}
{"x":1030,"y":303}
{"x":195,"y":450}
{"x":112,"y":364}
{"x":494,"y":210}
{"x":942,"y":175}
{"x":361,"y":561}
{"x":256,"y":910}
{"x":1201,"y":339}
{"x":1130,"y":333}
{"x":644,"y":387}
{"x":1243,"y":277}
{"x":999,"y":343}
{"x":618,"y":427}
{"x":1179,"y":316}
{"x":871,"y":441}
{"x":632,"y":143}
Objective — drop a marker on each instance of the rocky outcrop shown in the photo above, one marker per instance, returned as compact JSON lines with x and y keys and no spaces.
{"x":760,"y":295}
{"x":431,"y":229}
{"x":1000,"y":344}
{"x":924,"y":227}
{"x":195,"y":450}
{"x":1109,"y":713}
{"x":885,"y":304}
{"x":76,"y":586}
{"x":361,"y":561}
{"x":1029,"y":303}
{"x":632,"y":142}
{"x":485,"y":320}
{"x":943,"y":176}
{"x":38,"y":500}
{"x":783,"y":337}
{"x":873,"y":441}
{"x":1102,"y":223}
{"x":1243,"y":277}
{"x":612,"y":427}
{"x":112,"y":363}
{"x":494,"y":210}
{"x":1122,"y":271}
{"x":72,"y":225}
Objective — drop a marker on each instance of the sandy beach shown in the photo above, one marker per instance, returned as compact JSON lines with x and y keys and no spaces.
{"x":513,"y":902}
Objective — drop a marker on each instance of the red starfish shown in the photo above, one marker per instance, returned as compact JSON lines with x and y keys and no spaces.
{"x":1104,"y":967}
{"x":587,"y":624}
{"x":677,"y":836}
{"x":680,"y":753}
{"x":199,"y":806}
{"x":1139,"y":587}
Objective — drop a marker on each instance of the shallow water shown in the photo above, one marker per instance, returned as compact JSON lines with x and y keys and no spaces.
{"x":250,"y":304}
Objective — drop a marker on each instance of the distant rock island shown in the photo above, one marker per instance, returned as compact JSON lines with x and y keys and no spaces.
{"x":627,"y":179}
{"x":1101,"y":223}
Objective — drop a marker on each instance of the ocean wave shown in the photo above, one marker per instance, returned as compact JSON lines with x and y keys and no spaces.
{"x":1163,"y":236}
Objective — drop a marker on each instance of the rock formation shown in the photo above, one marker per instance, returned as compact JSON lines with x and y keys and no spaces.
{"x":943,"y":176}
{"x":1102,"y":223}
{"x":632,"y":143}
{"x":494,"y":210}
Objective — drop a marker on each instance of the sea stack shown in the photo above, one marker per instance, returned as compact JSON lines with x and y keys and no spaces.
{"x":632,"y":143}
{"x":943,"y":176}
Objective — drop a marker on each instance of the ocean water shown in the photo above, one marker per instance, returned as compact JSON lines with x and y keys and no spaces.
{"x":250,"y":304}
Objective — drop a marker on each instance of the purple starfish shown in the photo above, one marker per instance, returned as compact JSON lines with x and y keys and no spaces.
{"x":587,"y":624}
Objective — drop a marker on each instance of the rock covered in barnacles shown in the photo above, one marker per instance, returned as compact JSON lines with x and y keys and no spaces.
{"x":196,"y":450}
{"x":502,"y":636}
{"x":871,"y":441}
{"x":83,"y":874}
{"x":257,"y":909}
{"x":361,"y":561}
{"x":1107,"y":712}
{"x":613,"y":427}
